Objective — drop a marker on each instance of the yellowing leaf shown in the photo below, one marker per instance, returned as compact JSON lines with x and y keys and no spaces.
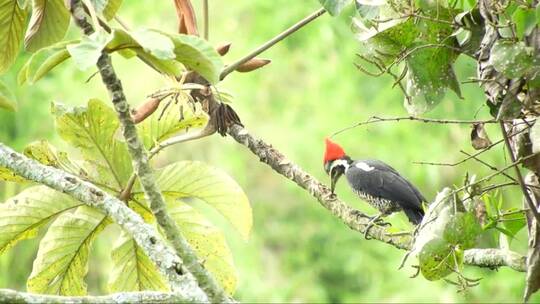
{"x":208,"y":242}
{"x":24,"y":214}
{"x":132,"y":269}
{"x":12,"y":22}
{"x":47,"y":154}
{"x":7,"y":175}
{"x":48,"y":24}
{"x":209,"y":184}
{"x":62,"y":259}
{"x":176,"y":118}
{"x":92,"y":130}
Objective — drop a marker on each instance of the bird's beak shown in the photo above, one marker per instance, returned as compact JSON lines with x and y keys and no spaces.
{"x":335,"y":175}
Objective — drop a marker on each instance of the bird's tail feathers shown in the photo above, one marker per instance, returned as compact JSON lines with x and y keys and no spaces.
{"x":415,"y":215}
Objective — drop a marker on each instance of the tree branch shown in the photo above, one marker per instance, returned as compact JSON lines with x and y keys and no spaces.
{"x":227,"y":70}
{"x":493,"y":258}
{"x":532,"y":206}
{"x":144,"y":171}
{"x":351,"y":217}
{"x":144,"y":234}
{"x":13,"y":296}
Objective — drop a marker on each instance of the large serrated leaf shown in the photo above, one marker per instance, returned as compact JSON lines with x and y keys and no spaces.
{"x":12,"y":23}
{"x":24,"y":214}
{"x":208,"y":242}
{"x":48,"y":24}
{"x":211,"y":185}
{"x":7,"y":99}
{"x":177,"y":117}
{"x":132,"y":269}
{"x":92,"y":130}
{"x":334,"y":7}
{"x":62,"y":259}
{"x":43,"y":61}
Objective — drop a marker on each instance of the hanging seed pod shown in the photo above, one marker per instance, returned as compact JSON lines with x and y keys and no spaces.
{"x":145,"y":110}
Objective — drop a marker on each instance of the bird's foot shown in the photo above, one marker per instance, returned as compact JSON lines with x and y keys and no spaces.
{"x":375,"y":221}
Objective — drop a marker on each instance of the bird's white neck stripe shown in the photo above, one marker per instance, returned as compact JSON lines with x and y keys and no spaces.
{"x":364,"y":166}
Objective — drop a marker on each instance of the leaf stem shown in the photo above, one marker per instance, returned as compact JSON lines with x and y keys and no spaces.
{"x":205,"y":20}
{"x":227,"y":70}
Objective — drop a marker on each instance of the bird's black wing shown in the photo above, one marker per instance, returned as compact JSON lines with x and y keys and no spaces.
{"x":380,"y":180}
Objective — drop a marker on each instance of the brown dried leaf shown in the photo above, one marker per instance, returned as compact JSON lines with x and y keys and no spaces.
{"x":187,"y":22}
{"x":252,"y":65}
{"x":479,"y":137}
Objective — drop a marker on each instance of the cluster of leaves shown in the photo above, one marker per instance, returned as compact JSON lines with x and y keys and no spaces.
{"x":167,"y":53}
{"x":62,"y":260}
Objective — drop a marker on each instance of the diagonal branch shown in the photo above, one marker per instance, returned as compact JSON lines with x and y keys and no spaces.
{"x":142,"y":167}
{"x":13,"y":296}
{"x":351,"y":217}
{"x":144,"y":234}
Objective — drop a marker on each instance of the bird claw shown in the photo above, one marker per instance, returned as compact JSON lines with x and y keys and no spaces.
{"x":375,"y":221}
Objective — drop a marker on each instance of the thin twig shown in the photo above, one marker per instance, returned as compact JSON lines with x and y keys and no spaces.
{"x":488,"y":165}
{"x":227,"y":70}
{"x":376,"y":119}
{"x":526,"y":194}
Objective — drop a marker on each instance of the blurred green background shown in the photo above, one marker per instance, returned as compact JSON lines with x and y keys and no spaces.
{"x":297,"y":252}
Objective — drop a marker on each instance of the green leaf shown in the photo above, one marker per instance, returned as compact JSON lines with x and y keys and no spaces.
{"x":208,"y":242}
{"x":87,"y":52}
{"x":107,"y":7}
{"x":62,"y":259}
{"x":92,"y":130}
{"x":211,"y":185}
{"x":127,"y":46}
{"x":436,"y":259}
{"x":513,"y":223}
{"x":513,"y":59}
{"x":334,"y":7}
{"x":43,"y":61}
{"x":159,"y":45}
{"x":48,"y":24}
{"x":462,"y":230}
{"x":132,"y":269}
{"x":24,"y":214}
{"x":537,"y":13}
{"x":388,"y":38}
{"x":525,"y":20}
{"x":7,"y":99}
{"x":12,"y":25}
{"x":198,"y":55}
{"x":177,"y":117}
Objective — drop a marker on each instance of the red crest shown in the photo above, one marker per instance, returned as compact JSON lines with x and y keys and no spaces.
{"x":333,"y":151}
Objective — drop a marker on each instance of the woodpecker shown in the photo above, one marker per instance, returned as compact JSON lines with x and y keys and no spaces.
{"x":374,"y":182}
